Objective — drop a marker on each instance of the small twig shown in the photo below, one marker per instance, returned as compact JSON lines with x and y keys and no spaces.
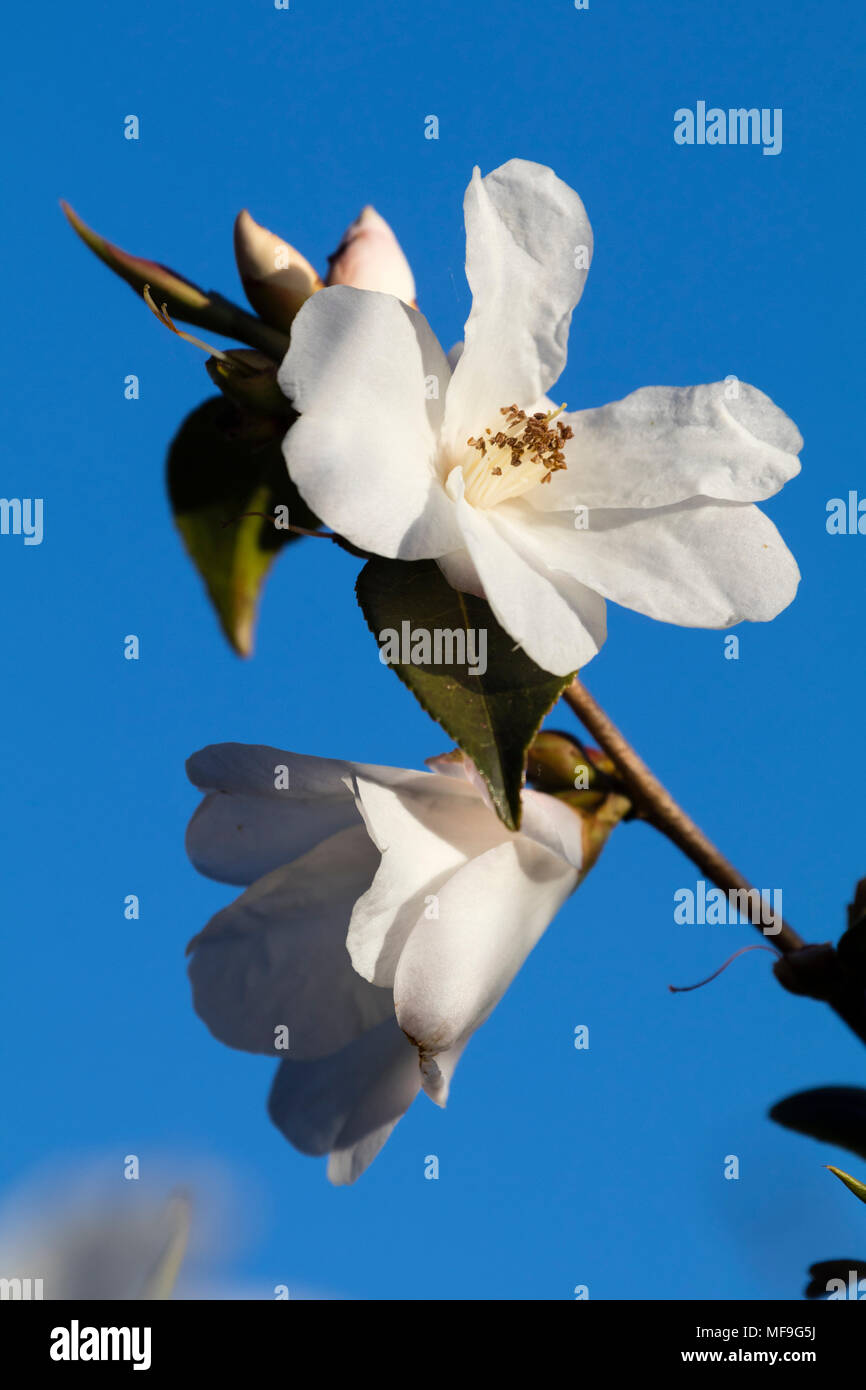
{"x":656,"y":805}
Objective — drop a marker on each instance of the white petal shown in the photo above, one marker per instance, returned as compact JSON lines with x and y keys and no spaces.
{"x":461,"y":767}
{"x":437,"y":1072}
{"x":524,"y":232}
{"x":247,"y":825}
{"x":545,"y":820}
{"x":454,"y":970}
{"x":425,"y":830}
{"x":249,"y":768}
{"x":276,"y":958}
{"x":364,"y":452}
{"x":353,"y":1097}
{"x":700,"y":563}
{"x":697,"y":564}
{"x":459,"y":569}
{"x":554,"y":825}
{"x":664,"y":444}
{"x":557,"y":621}
{"x":345,"y":1166}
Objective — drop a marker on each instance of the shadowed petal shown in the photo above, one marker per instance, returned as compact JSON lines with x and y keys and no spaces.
{"x":364,"y":452}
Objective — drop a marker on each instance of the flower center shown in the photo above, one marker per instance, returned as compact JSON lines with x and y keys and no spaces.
{"x":508,"y":462}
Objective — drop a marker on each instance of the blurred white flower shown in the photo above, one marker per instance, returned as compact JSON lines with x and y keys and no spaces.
{"x":82,"y":1230}
{"x":388,"y":912}
{"x":90,"y":1245}
{"x":648,"y":501}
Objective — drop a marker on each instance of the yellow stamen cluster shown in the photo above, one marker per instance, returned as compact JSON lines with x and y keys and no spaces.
{"x":531,"y":444}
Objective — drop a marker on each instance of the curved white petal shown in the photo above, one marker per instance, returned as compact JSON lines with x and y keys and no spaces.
{"x":554,"y":825}
{"x":250,"y":822}
{"x":459,"y":570}
{"x":456,"y":765}
{"x":528,"y":245}
{"x":276,"y":958}
{"x":249,"y":768}
{"x":349,"y":1100}
{"x":425,"y":830}
{"x":664,"y":444}
{"x":364,"y":451}
{"x":345,"y":1166}
{"x":437,"y":1072}
{"x":558,"y":621}
{"x":697,"y":564}
{"x":545,"y":820}
{"x":454,"y":970}
{"x":460,"y":766}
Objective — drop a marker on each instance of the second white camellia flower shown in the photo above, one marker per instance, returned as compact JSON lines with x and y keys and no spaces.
{"x":388,"y":912}
{"x":648,"y":501}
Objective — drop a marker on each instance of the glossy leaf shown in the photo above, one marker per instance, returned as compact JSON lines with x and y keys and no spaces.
{"x":493,"y":715}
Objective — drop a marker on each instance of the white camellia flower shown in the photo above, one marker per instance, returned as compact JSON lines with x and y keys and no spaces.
{"x":648,"y":501}
{"x":387,"y":913}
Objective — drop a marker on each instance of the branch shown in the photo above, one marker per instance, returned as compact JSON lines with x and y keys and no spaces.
{"x":804,"y":969}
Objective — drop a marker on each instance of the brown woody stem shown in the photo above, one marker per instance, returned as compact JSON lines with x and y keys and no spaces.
{"x":805,"y":969}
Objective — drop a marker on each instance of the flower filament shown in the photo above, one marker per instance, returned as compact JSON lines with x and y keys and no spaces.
{"x":509,"y":461}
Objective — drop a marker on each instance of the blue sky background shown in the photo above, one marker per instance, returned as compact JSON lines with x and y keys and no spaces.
{"x":558,"y":1167}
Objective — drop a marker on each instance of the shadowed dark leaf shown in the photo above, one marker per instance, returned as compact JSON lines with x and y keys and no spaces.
{"x":835,"y":1114}
{"x":226,"y":478}
{"x":825,"y":1270}
{"x":852,"y":943}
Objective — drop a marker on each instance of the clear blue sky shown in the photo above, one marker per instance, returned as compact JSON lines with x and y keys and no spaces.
{"x":558,"y":1167}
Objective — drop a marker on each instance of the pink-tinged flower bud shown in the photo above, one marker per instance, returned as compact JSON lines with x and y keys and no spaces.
{"x":276,"y":278}
{"x":370,"y":258}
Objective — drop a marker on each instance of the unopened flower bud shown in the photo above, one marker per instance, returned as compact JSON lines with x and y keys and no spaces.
{"x":276,"y":278}
{"x":370,"y":258}
{"x":556,"y":764}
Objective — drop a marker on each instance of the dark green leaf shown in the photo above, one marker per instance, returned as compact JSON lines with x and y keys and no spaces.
{"x":226,"y":478}
{"x":493,"y":715}
{"x":835,"y":1114}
